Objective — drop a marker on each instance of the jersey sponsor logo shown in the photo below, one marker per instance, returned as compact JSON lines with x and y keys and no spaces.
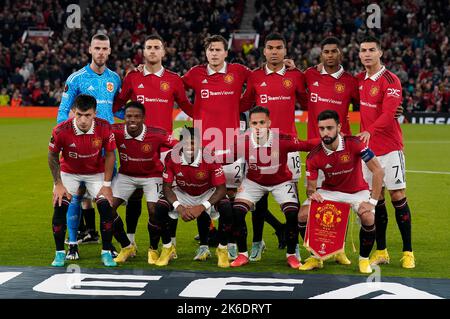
{"x":110,"y":86}
{"x":141,"y":86}
{"x":316,"y":98}
{"x":374,"y":90}
{"x":229,"y":78}
{"x":140,"y":99}
{"x":146,"y":148}
{"x":73,"y":155}
{"x":264,"y":98}
{"x":287,"y":83}
{"x":344,"y":158}
{"x":96,"y":142}
{"x":123,"y":157}
{"x":164,"y":86}
{"x":364,"y":103}
{"x":339,"y":87}
{"x":393,"y":92}
{"x":200,"y":175}
{"x":205,"y":93}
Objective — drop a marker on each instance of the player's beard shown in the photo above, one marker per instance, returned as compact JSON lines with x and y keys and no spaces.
{"x":329,"y":140}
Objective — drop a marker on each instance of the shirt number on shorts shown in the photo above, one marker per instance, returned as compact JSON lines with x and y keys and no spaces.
{"x":296,"y":161}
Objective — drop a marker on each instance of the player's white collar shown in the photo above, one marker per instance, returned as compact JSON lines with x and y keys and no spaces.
{"x":158,"y":73}
{"x":80,"y":132}
{"x":195,"y":163}
{"x":223,"y":70}
{"x":336,"y":74}
{"x":267,"y":144}
{"x":377,"y":75}
{"x":268,"y":71}
{"x":340,"y":147}
{"x":140,"y":137}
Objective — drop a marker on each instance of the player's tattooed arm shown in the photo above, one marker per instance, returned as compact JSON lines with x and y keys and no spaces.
{"x":311,"y":191}
{"x":218,"y":194}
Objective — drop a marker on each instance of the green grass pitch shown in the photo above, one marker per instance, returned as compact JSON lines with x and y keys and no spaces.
{"x":26,"y":209}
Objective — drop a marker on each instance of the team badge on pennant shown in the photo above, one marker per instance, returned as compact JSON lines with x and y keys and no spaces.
{"x":374,"y":90}
{"x":326,"y":228}
{"x":96,"y":142}
{"x":200,"y":175}
{"x":110,"y":86}
{"x":164,"y":86}
{"x":339,"y":87}
{"x":146,"y":148}
{"x":229,"y":78}
{"x":287,"y":83}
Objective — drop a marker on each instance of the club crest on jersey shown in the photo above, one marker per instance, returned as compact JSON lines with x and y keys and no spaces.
{"x":229,"y":78}
{"x":339,"y":87}
{"x":110,"y":86}
{"x":374,"y":90}
{"x":328,"y":216}
{"x":287,"y":83}
{"x":164,"y":86}
{"x":146,"y":148}
{"x":344,"y":158}
{"x":200,"y":175}
{"x":96,"y":142}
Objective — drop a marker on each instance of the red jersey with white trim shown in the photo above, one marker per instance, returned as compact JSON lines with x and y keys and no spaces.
{"x":267,"y":164}
{"x":82,"y":152}
{"x":277,"y":92}
{"x":140,"y":156}
{"x":326,"y":92}
{"x":342,"y":168}
{"x":157,"y":94}
{"x":195,"y":178}
{"x":380,"y":96}
{"x":216,"y":105}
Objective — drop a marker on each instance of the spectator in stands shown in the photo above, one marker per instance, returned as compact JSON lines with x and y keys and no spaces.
{"x":4,"y":97}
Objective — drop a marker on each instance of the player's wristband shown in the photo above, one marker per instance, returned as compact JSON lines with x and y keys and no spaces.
{"x":373,"y":201}
{"x":207,"y":204}
{"x":107,"y":184}
{"x":176,"y":204}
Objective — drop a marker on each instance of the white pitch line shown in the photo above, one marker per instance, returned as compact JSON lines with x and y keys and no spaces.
{"x":427,"y":142}
{"x":428,"y":172}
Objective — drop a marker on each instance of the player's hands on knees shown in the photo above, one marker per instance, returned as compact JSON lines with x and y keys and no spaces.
{"x":107,"y":193}
{"x":364,"y":137}
{"x":289,"y":63}
{"x":197,"y":210}
{"x":185,"y":213}
{"x":316,"y":196}
{"x":59,"y":192}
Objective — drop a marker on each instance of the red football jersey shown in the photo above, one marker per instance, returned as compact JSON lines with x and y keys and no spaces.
{"x":329,"y":92}
{"x":216,"y":105}
{"x":139,"y":156}
{"x":267,"y":164}
{"x":82,"y":152}
{"x":342,"y":168}
{"x":277,"y":92}
{"x":157,"y":92}
{"x":380,"y":96}
{"x":195,"y":178}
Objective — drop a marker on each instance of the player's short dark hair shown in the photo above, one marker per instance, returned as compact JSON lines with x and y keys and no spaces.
{"x":330,"y":40}
{"x":328,"y":114}
{"x":84,"y":102}
{"x":154,"y":36}
{"x":136,"y":105}
{"x":275,"y":36}
{"x":258,"y":109}
{"x":100,"y":37}
{"x":215,"y":38}
{"x":189,"y":132}
{"x":371,"y":39}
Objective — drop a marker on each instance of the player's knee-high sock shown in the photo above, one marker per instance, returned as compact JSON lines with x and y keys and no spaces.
{"x":59,"y":223}
{"x":302,"y":229}
{"x":173,"y":223}
{"x":403,"y":217}
{"x":273,"y":221}
{"x":89,"y":218}
{"x":381,"y":222}
{"x":290,"y":210}
{"x":106,"y":222}
{"x":119,"y":231}
{"x":73,"y":218}
{"x":133,"y":212}
{"x":240,"y":226}
{"x":225,"y":221}
{"x":203,"y":222}
{"x":258,"y":217}
{"x":154,"y":232}
{"x":163,"y":220}
{"x":366,"y":240}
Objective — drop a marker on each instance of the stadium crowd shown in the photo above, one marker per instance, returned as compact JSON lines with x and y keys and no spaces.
{"x":414,"y":35}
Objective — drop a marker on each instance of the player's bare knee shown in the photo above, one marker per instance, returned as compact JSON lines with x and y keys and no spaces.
{"x":86,"y":203}
{"x":367,"y":217}
{"x":397,"y":194}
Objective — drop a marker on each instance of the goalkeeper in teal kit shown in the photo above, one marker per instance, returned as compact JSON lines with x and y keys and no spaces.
{"x":102,"y":83}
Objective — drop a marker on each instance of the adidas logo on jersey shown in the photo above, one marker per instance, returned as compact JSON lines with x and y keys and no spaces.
{"x":316,"y":83}
{"x":123,"y":146}
{"x":360,"y":87}
{"x":179,"y":174}
{"x":141,"y":86}
{"x":72,"y":145}
{"x":205,"y":81}
{"x":263,"y":84}
{"x":328,"y":166}
{"x":91,"y":88}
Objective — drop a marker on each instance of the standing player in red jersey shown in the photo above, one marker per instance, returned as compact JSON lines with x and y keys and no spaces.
{"x":199,"y":185}
{"x":139,"y":149}
{"x":266,"y":153}
{"x":157,"y":89}
{"x":339,"y":157}
{"x":276,"y":88}
{"x":80,"y":142}
{"x":381,"y":93}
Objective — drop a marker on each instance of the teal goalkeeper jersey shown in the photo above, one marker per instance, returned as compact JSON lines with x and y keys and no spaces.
{"x":103,"y":87}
